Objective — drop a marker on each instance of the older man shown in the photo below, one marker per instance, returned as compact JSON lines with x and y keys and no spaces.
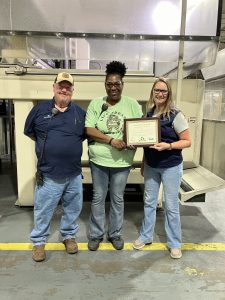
{"x":57,"y":126}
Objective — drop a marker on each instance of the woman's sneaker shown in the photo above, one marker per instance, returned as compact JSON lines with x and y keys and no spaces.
{"x":138,"y":244}
{"x":175,"y":253}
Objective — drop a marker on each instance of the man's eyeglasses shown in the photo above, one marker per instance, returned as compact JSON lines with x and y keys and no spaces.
{"x":67,"y":88}
{"x":157,"y":91}
{"x":110,"y":85}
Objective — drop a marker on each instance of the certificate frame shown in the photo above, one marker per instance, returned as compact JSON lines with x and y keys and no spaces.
{"x":142,"y":132}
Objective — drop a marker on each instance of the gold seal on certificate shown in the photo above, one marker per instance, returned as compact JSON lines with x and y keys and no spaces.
{"x":141,"y":132}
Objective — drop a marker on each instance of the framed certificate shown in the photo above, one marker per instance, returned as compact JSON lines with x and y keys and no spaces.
{"x":141,"y":132}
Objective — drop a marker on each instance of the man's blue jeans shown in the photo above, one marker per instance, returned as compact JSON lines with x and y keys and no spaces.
{"x":46,"y":199}
{"x":171,"y":179}
{"x":115,"y":179}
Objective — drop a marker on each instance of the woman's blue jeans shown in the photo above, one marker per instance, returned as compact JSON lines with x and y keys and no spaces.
{"x":171,"y":179}
{"x":103,"y":178}
{"x":46,"y":199}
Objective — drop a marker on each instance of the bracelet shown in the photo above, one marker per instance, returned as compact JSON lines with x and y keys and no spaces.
{"x":170,"y":148}
{"x":110,"y":141}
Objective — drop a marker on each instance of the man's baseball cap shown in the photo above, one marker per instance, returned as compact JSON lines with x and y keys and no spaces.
{"x":64,"y":77}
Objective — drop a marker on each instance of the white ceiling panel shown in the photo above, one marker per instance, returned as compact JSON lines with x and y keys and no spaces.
{"x":103,"y":16}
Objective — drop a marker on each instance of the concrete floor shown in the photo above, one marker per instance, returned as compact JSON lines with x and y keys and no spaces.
{"x":107,"y":274}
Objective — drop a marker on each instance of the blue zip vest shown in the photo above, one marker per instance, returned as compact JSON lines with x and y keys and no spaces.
{"x":165,"y":158}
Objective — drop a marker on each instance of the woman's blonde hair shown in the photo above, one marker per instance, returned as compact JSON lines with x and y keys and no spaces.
{"x":169,"y":101}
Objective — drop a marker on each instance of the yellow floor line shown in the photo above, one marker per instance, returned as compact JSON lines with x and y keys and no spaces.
{"x":108,"y":246}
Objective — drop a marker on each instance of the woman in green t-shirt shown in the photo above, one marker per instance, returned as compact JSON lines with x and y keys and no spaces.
{"x":110,"y":159}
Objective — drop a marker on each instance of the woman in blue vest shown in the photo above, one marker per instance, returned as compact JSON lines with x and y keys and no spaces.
{"x":162,"y":163}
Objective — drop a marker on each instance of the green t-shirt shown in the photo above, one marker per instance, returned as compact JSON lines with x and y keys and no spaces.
{"x":111,"y":123}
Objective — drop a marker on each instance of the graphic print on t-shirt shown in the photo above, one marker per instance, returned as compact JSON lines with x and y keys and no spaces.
{"x":111,"y":122}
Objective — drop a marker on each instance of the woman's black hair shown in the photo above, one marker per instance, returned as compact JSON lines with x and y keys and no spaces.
{"x":116,"y":67}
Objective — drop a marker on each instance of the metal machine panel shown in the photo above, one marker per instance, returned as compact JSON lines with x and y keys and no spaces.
{"x":197,"y":181}
{"x":27,"y":89}
{"x":5,"y":15}
{"x":138,"y":16}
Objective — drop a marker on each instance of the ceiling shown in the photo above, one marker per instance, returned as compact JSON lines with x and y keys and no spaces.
{"x":147,"y":40}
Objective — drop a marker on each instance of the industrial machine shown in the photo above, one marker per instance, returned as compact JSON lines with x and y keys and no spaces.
{"x":36,"y":85}
{"x":153,"y":38}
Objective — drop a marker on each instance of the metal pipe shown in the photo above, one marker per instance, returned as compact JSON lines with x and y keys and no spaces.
{"x":11,"y":134}
{"x":66,"y":61}
{"x":75,"y":73}
{"x":110,"y":36}
{"x":215,"y":78}
{"x":181,"y":53}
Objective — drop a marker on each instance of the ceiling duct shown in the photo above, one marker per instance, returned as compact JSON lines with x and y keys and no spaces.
{"x":145,"y":34}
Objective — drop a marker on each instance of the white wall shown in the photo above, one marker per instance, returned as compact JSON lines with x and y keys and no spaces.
{"x":213,"y":147}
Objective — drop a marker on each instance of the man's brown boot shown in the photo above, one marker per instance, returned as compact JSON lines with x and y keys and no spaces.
{"x":71,"y":246}
{"x":39,"y":253}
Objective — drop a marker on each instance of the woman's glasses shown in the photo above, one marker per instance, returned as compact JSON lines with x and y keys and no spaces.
{"x":110,"y":85}
{"x":157,"y":91}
